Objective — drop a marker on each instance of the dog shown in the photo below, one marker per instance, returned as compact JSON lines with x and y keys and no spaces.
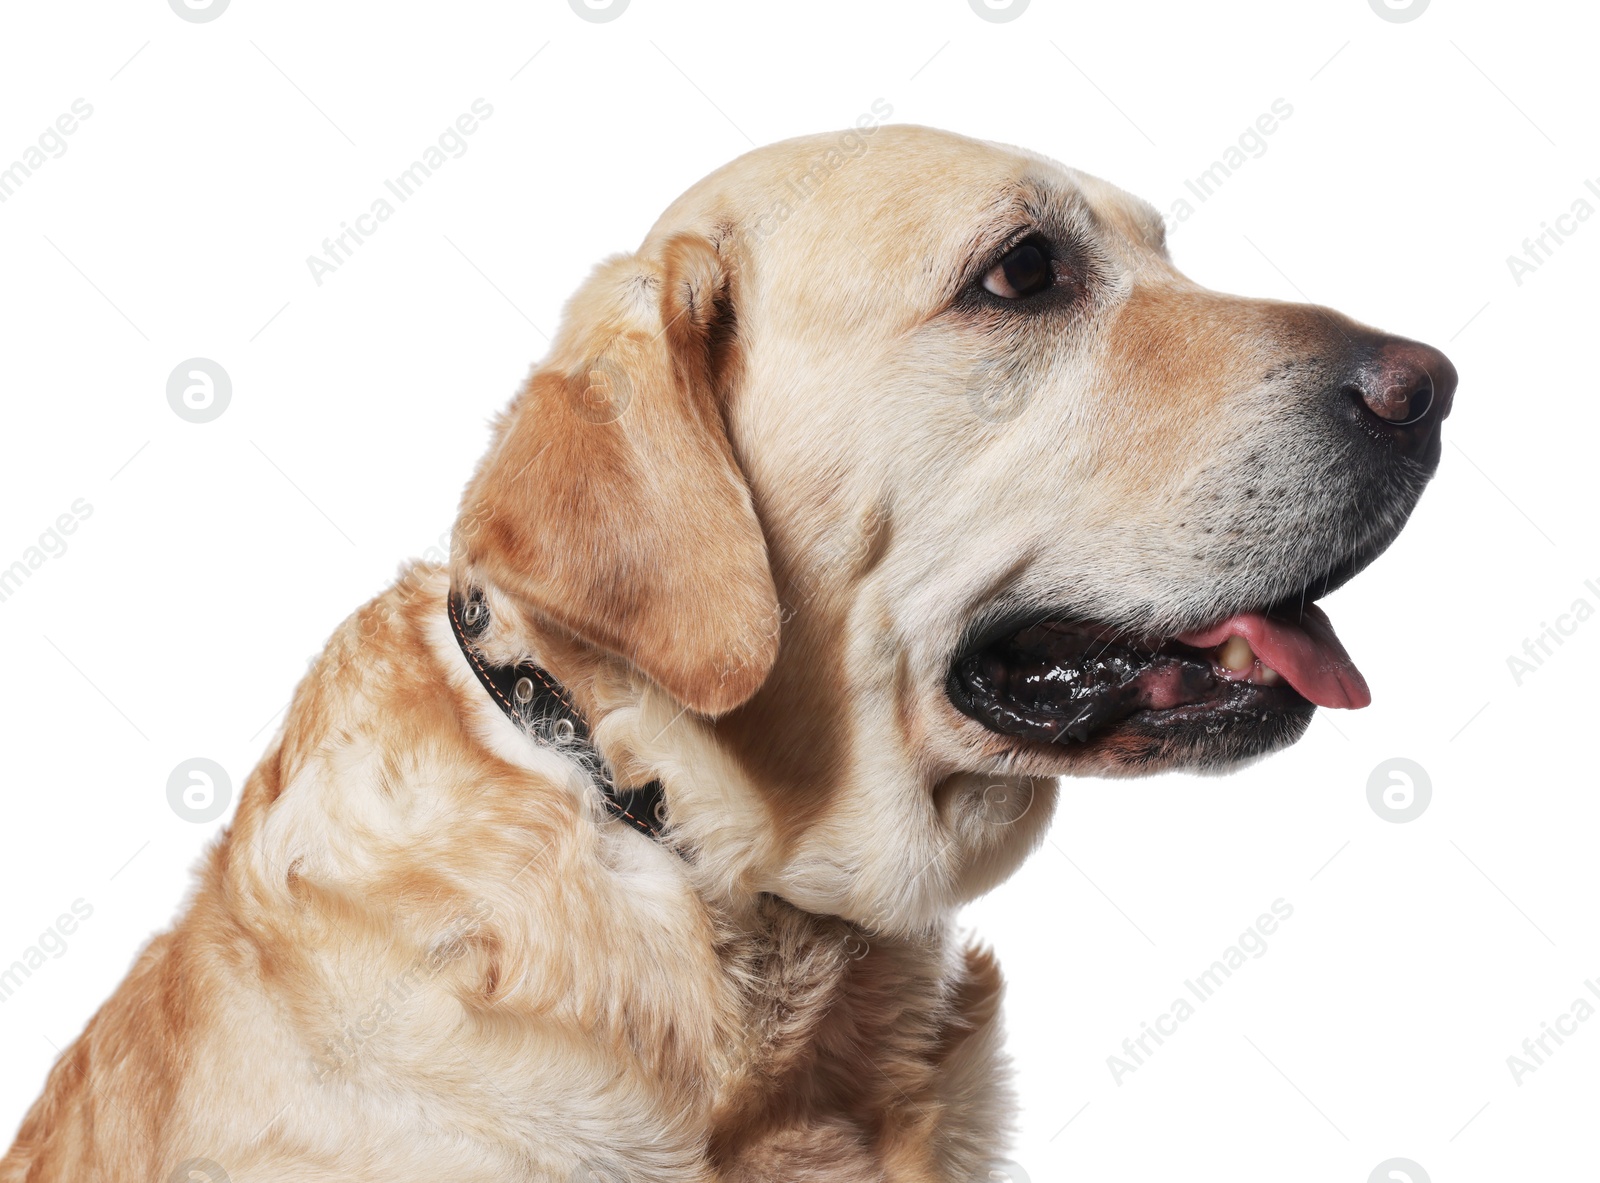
{"x":894,"y":477}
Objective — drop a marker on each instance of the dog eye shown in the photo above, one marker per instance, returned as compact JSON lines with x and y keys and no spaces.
{"x":1025,"y":271}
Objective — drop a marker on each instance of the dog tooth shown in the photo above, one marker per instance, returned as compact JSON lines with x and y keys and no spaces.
{"x":1236,"y":655}
{"x":1269,"y":676}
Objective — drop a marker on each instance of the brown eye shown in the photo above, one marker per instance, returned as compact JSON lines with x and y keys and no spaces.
{"x":1025,"y":271}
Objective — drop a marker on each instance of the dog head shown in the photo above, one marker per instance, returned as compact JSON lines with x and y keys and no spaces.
{"x":903,"y":473}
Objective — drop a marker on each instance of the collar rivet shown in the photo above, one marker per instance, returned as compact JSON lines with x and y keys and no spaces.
{"x":514,"y":691}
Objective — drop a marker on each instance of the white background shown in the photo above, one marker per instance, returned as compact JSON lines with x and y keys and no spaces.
{"x":219,"y":556}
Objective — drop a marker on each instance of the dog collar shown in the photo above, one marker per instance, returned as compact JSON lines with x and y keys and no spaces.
{"x":532,"y":699}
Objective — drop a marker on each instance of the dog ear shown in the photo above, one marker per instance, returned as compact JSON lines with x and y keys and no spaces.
{"x":611,"y":501}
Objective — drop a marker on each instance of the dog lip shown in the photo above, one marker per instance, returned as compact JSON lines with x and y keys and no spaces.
{"x":1104,"y":676}
{"x":1073,"y":682}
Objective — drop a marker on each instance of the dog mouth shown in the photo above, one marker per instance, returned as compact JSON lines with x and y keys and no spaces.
{"x":1256,"y":674}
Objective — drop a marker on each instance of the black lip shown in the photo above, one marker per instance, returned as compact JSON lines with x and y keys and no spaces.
{"x":1217,"y":739}
{"x":985,"y":685}
{"x":1227,"y":721}
{"x":1248,"y":720}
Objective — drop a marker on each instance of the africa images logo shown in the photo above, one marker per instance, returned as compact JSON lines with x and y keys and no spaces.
{"x":1399,"y":12}
{"x":1136,"y":1050}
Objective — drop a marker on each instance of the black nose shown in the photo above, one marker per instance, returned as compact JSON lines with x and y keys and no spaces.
{"x":1402,"y":390}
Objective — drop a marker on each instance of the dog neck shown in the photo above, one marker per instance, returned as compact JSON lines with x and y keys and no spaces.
{"x":543,"y":709}
{"x":717,"y":815}
{"x":625,"y":732}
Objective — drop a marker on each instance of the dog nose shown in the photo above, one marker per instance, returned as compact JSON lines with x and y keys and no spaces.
{"x":1402,"y":390}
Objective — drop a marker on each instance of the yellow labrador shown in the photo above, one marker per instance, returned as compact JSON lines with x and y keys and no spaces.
{"x":895,"y":476}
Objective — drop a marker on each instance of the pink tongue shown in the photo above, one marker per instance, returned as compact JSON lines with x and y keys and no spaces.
{"x":1306,"y":652}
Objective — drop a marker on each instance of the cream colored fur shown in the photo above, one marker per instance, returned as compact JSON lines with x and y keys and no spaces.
{"x":745,"y":511}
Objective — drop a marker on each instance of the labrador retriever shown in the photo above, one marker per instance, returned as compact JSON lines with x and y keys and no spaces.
{"x":896,"y":476}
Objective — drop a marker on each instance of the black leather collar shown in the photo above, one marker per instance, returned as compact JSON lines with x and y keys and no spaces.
{"x":540,"y":706}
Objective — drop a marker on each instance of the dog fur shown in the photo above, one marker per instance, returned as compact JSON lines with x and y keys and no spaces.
{"x":745,"y":510}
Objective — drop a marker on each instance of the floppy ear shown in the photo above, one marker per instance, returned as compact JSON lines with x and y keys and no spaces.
{"x":611,"y":501}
